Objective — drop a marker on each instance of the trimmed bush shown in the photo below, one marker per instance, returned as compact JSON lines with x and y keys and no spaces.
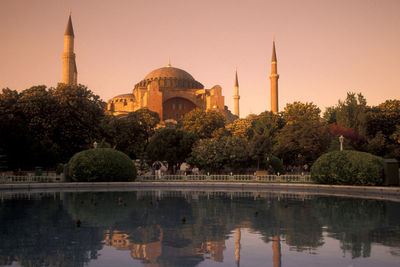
{"x":101,"y":165}
{"x":348,"y":167}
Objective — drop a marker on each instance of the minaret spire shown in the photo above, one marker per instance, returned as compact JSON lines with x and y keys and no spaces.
{"x":70,"y":73}
{"x":236,"y":96}
{"x":274,"y":81}
{"x":169,"y":62}
{"x":273,"y":59}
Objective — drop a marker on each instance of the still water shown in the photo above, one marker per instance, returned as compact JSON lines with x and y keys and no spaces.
{"x":177,"y":228}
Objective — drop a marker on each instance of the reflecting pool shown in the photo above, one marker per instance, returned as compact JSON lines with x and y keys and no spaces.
{"x":202,"y":228}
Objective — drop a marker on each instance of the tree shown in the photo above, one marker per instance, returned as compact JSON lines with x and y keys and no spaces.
{"x":214,"y":154}
{"x":14,"y":139}
{"x":3,"y":161}
{"x":148,"y":121}
{"x":330,"y":115}
{"x":267,"y":123}
{"x":260,"y":146}
{"x":352,"y":139}
{"x":170,"y":145}
{"x":208,"y":154}
{"x":240,"y":128}
{"x":201,"y":123}
{"x":382,"y":123}
{"x":42,"y":126}
{"x":302,"y":139}
{"x":298,"y":112}
{"x":125,"y":134}
{"x":351,"y":113}
{"x":236,"y":153}
{"x":78,"y":123}
{"x":378,"y":145}
{"x":131,"y":134}
{"x":384,"y":118}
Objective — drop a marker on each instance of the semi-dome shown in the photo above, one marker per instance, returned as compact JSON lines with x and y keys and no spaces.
{"x":123,"y":98}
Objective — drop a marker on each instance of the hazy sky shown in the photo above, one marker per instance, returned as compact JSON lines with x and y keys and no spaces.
{"x":325,"y":48}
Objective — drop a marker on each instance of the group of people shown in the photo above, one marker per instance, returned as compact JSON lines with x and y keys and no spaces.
{"x":160,"y":169}
{"x":185,"y":169}
{"x":297,"y":169}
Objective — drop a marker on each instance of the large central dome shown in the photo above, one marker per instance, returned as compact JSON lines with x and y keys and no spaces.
{"x":169,"y":77}
{"x":169,"y":72}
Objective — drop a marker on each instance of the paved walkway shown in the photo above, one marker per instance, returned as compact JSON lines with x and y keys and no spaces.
{"x":390,"y":193}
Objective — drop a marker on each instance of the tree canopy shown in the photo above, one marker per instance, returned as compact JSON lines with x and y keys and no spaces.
{"x":202,"y":123}
{"x":42,"y":126}
{"x":171,"y":145}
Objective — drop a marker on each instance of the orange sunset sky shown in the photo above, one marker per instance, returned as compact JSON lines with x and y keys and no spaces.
{"x":324,"y":48}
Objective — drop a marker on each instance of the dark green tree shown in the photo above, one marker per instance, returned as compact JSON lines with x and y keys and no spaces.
{"x":260,"y":146}
{"x":330,"y":115}
{"x":41,"y":126}
{"x":267,"y":123}
{"x":78,"y":123}
{"x":208,"y":155}
{"x":383,"y":121}
{"x":170,"y":145}
{"x":236,"y":153}
{"x":131,"y":134}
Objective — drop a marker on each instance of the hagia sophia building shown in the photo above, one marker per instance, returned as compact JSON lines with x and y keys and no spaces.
{"x":169,"y":91}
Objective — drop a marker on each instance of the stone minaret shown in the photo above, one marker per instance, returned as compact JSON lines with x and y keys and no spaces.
{"x":70,"y":73}
{"x":236,"y":97}
{"x":274,"y":81}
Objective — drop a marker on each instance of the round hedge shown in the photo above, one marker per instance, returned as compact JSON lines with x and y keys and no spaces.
{"x":101,"y":165}
{"x":348,"y":168}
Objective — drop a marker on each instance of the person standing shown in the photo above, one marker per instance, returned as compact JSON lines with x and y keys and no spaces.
{"x":157,"y":169}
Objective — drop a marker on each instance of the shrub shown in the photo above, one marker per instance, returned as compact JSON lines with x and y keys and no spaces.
{"x":348,"y":168}
{"x":101,"y":165}
{"x":276,"y":164}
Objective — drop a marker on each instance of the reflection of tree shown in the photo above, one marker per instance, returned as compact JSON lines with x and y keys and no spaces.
{"x":173,"y":228}
{"x":353,"y":221}
{"x":48,"y":238}
{"x":291,"y":218}
{"x":100,"y":208}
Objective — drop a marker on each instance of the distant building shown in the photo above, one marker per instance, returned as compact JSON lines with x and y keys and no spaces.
{"x":171,"y":92}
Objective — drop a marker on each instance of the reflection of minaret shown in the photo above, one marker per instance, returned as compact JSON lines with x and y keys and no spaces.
{"x":70,"y":73}
{"x":237,"y":246}
{"x":276,"y":248}
{"x":236,"y":97}
{"x":274,"y":81}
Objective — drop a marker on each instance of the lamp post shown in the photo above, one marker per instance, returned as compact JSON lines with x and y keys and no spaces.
{"x":94,"y":144}
{"x":341,"y":139}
